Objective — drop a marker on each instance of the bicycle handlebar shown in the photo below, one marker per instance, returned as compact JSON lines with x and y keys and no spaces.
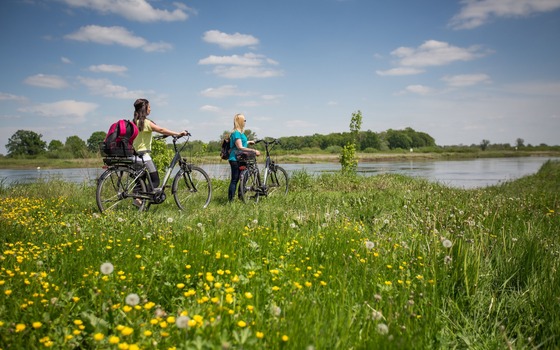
{"x":161,"y":137}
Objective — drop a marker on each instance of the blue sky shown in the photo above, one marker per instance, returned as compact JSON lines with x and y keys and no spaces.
{"x":462,"y":71}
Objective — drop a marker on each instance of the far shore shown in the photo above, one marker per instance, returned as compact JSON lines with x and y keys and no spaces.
{"x":45,"y":163}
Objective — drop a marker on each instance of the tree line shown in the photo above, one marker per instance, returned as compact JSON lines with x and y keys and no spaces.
{"x":29,"y":144}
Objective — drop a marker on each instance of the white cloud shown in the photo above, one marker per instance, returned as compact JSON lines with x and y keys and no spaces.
{"x":247,"y":66}
{"x":116,"y":35}
{"x":249,"y":59}
{"x":134,"y":10}
{"x":46,"y":81}
{"x":228,"y":41}
{"x":223,"y":91}
{"x":466,"y":79}
{"x":475,"y":13}
{"x":435,"y":53}
{"x":419,"y":89}
{"x":105,"y":87}
{"x":11,"y":97}
{"x":210,"y":108}
{"x":399,"y":71}
{"x":65,"y":60}
{"x":71,"y":110}
{"x":107,"y":68}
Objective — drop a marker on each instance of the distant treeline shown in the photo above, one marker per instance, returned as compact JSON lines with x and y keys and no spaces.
{"x":28,"y":144}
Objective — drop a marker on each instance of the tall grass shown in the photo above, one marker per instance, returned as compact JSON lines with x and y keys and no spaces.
{"x":341,"y":262}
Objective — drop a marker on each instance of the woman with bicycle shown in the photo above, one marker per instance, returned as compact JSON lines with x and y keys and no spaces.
{"x":143,"y":142}
{"x":238,"y":142}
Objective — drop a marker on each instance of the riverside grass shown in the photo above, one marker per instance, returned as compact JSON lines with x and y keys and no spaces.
{"x":342,"y":262}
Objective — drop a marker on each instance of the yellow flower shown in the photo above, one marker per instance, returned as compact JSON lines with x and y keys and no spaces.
{"x":149,"y":305}
{"x":242,"y":324}
{"x":260,"y":335}
{"x":248,"y":295}
{"x":148,"y":333}
{"x":180,"y":285}
{"x":127,"y":331}
{"x":127,"y":308}
{"x":36,"y":325}
{"x":20,"y":327}
{"x":8,"y":292}
{"x":285,"y":338}
{"x":98,"y":336}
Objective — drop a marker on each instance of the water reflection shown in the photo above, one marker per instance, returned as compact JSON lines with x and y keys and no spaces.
{"x":471,"y":173}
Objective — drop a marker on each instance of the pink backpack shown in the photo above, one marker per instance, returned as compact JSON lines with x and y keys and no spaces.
{"x":119,"y":139}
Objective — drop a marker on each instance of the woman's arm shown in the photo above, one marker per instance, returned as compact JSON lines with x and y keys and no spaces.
{"x":239,"y":146}
{"x":165,"y":131}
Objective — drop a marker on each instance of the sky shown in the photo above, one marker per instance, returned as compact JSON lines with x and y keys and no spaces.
{"x":461,"y":71}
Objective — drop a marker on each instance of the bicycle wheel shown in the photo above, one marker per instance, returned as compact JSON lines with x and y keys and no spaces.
{"x":277,"y":181}
{"x":249,"y":186}
{"x":192,"y":188}
{"x":115,"y":189}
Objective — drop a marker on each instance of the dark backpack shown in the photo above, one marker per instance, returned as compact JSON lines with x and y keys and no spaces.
{"x":119,"y":139}
{"x":226,"y":148}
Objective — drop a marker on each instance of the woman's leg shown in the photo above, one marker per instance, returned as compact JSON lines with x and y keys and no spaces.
{"x":234,"y":179}
{"x":154,"y":176}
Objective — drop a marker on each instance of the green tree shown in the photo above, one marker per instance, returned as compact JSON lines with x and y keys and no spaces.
{"x":520,"y":143}
{"x":398,"y":139}
{"x":25,"y":143}
{"x":94,"y":140}
{"x":76,"y":146}
{"x":55,"y":146}
{"x":348,"y":159}
{"x":484,"y":144}
{"x":161,"y":155}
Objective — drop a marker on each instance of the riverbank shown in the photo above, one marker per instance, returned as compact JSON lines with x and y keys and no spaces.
{"x":45,"y":163}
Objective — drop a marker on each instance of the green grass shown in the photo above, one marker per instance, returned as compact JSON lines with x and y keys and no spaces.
{"x":340,"y":263}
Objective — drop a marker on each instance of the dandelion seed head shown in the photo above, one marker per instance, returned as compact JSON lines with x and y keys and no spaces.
{"x":447,"y":260}
{"x":182,"y":321}
{"x":107,"y":268}
{"x":169,"y":220}
{"x":382,"y":329}
{"x":132,"y":299}
{"x":376,"y":315}
{"x":370,"y":245}
{"x":447,"y":243}
{"x":199,"y":225}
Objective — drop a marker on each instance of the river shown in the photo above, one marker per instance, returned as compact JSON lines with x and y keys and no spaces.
{"x":471,"y":173}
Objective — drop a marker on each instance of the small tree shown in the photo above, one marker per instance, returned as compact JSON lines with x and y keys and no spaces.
{"x":484,"y":144}
{"x":55,"y":146}
{"x":348,"y":159}
{"x":25,"y":143}
{"x":76,"y":146}
{"x":520,"y":143}
{"x":94,"y":140}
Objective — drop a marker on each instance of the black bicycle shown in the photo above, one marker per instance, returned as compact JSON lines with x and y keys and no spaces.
{"x":126,"y":184}
{"x":274,"y":179}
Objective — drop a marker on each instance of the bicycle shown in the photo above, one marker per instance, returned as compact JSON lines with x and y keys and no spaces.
{"x":126,"y":184}
{"x":274,"y":180}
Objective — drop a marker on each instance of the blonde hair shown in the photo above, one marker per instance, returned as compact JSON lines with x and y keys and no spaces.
{"x":239,"y":122}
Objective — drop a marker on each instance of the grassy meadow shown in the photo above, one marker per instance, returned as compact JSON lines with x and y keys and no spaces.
{"x":342,"y":262}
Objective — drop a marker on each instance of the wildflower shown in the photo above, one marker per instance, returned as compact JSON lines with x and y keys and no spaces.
{"x":377,"y":315}
{"x":242,"y":324}
{"x":182,"y":321}
{"x":382,"y":329}
{"x":255,"y":222}
{"x":127,"y":331}
{"x":107,"y":268}
{"x":248,"y":295}
{"x":120,"y":219}
{"x":447,"y":260}
{"x":114,"y":339}
{"x":199,"y":225}
{"x":8,"y":291}
{"x":132,"y":299}
{"x":169,"y":220}
{"x":20,"y":327}
{"x":260,"y":335}
{"x":447,"y":243}
{"x":276,"y":311}
{"x":285,"y":338}
{"x":36,"y":325}
{"x":98,"y":336}
{"x":370,"y":245}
